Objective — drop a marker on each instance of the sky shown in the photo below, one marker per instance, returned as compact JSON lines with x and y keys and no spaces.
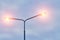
{"x":36,"y":29}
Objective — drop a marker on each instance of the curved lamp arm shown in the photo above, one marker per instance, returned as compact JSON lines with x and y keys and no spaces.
{"x":16,"y":19}
{"x":33,"y":17}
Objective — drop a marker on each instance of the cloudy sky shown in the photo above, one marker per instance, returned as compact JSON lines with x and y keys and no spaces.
{"x":37,"y":28}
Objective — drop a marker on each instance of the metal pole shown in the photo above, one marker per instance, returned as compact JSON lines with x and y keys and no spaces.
{"x":24,"y":30}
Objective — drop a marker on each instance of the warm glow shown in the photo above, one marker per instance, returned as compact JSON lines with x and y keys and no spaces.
{"x":44,"y":15}
{"x":6,"y":19}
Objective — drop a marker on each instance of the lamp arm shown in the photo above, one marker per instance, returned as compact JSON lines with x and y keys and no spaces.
{"x":17,"y":19}
{"x":33,"y":17}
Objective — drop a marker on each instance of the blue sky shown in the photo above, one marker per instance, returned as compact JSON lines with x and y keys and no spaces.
{"x":35,"y":29}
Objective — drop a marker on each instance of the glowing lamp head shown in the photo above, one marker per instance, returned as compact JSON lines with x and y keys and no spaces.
{"x":44,"y":13}
{"x":6,"y":19}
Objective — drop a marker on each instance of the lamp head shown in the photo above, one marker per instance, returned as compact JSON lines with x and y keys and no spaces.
{"x":6,"y":19}
{"x":44,"y":13}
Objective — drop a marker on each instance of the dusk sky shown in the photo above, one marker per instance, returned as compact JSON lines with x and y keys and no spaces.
{"x":37,"y":28}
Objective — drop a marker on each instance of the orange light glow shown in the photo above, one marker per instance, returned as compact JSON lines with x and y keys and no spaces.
{"x":44,"y":15}
{"x":6,"y":18}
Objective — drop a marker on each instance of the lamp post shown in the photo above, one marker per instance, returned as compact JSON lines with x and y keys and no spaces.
{"x":25,"y":22}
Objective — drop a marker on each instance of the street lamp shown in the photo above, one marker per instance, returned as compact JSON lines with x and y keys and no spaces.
{"x":42,"y":14}
{"x":25,"y":22}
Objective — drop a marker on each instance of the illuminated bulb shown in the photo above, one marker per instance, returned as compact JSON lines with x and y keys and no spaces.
{"x":43,"y":13}
{"x":7,"y":19}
